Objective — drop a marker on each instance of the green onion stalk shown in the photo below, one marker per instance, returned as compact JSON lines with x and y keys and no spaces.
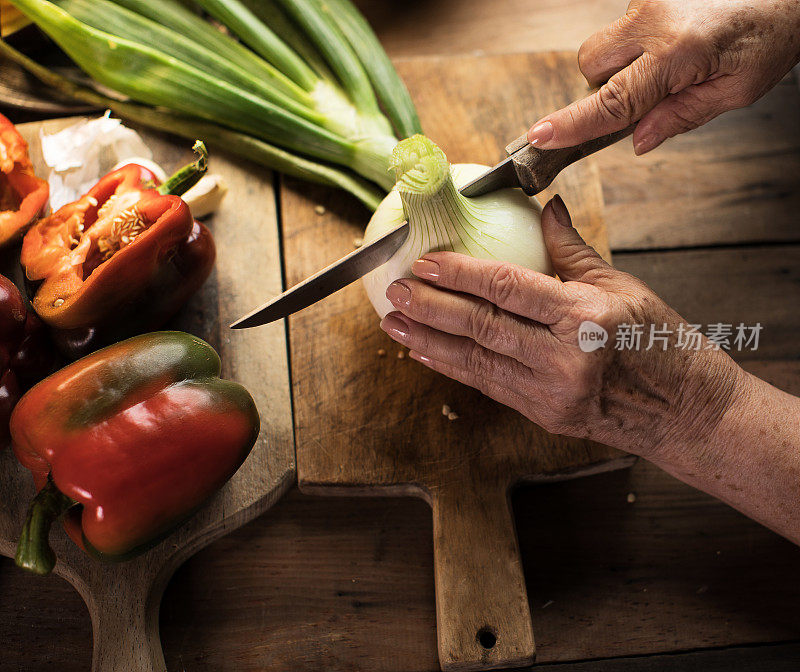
{"x":302,"y":83}
{"x":246,"y":146}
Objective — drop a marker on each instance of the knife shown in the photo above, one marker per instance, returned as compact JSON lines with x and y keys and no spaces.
{"x":526,"y":167}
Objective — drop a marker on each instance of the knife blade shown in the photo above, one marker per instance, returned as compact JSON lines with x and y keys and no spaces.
{"x":329,"y":280}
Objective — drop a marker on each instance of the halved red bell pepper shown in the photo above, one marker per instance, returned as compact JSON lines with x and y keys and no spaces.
{"x":129,"y":441}
{"x":120,"y":260}
{"x":23,"y":196}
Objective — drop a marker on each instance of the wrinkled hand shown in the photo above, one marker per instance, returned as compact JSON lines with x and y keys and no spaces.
{"x":513,"y":334}
{"x":673,"y":65}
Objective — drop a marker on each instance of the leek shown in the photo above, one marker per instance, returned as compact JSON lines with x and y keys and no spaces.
{"x":223,"y":139}
{"x":270,"y":14}
{"x":173,"y":15}
{"x":315,"y":96}
{"x":390,"y":89}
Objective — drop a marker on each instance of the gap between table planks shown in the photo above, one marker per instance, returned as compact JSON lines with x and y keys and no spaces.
{"x":374,"y":426}
{"x":124,"y":599}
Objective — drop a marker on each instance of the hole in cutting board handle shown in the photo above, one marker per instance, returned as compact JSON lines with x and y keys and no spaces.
{"x":487,"y":637}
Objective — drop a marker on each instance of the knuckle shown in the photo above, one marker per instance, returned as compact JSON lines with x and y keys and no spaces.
{"x":687,"y":42}
{"x":476,"y":363}
{"x":598,"y":309}
{"x":454,"y":273}
{"x":535,"y":353}
{"x":575,"y":113}
{"x":420,"y":337}
{"x":584,"y":57}
{"x":615,"y":102}
{"x":580,"y":255}
{"x":482,"y":322}
{"x":684,"y":121}
{"x":503,"y":284}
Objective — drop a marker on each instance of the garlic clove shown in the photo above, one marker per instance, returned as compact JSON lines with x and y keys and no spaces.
{"x":206,"y":196}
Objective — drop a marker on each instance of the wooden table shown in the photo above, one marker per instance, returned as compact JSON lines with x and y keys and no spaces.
{"x":665,"y":579}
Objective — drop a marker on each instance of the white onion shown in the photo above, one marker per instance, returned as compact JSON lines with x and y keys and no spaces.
{"x":504,"y":225}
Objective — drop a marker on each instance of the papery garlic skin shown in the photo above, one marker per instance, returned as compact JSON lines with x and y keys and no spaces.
{"x":503,"y":225}
{"x":205,"y":197}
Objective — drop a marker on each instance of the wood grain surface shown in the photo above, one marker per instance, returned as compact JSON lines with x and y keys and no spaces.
{"x":367,"y":424}
{"x":347,"y":584}
{"x":732,"y":181}
{"x":124,"y":599}
{"x":433,"y":27}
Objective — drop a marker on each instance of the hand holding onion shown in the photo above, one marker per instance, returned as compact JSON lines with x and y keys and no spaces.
{"x":513,"y":334}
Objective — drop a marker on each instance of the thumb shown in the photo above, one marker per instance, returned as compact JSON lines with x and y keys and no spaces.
{"x":622,"y":100}
{"x":572,"y":258}
{"x":678,"y":113}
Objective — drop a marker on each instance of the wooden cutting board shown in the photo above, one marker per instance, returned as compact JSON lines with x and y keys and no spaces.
{"x":123,"y":599}
{"x":372,"y":424}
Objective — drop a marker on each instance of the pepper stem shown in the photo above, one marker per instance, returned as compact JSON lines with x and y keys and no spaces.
{"x":185,"y":178}
{"x":33,"y":548}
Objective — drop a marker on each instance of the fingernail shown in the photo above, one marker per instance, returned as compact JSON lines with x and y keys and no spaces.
{"x":395,"y":327}
{"x":399,"y":294}
{"x":645,"y":144}
{"x":561,"y":212}
{"x":541,"y":133}
{"x":425,"y":269}
{"x":420,"y":358}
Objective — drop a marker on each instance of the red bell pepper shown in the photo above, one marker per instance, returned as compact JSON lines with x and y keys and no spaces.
{"x":120,"y":260}
{"x":23,"y":196}
{"x":128,"y":442}
{"x":26,"y":355}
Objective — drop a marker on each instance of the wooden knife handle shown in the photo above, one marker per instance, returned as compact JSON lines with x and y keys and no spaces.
{"x":537,"y":168}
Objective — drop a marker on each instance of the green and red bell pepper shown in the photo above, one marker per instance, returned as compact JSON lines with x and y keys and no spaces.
{"x":127,"y":443}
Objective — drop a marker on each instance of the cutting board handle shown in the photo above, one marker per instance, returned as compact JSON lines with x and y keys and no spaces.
{"x":125,"y":627}
{"x":482,"y":611}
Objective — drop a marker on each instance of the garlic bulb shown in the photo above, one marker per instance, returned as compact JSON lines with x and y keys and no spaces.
{"x":503,"y":225}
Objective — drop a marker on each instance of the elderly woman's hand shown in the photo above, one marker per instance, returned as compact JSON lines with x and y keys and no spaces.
{"x":673,"y":65}
{"x":514,"y":334}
